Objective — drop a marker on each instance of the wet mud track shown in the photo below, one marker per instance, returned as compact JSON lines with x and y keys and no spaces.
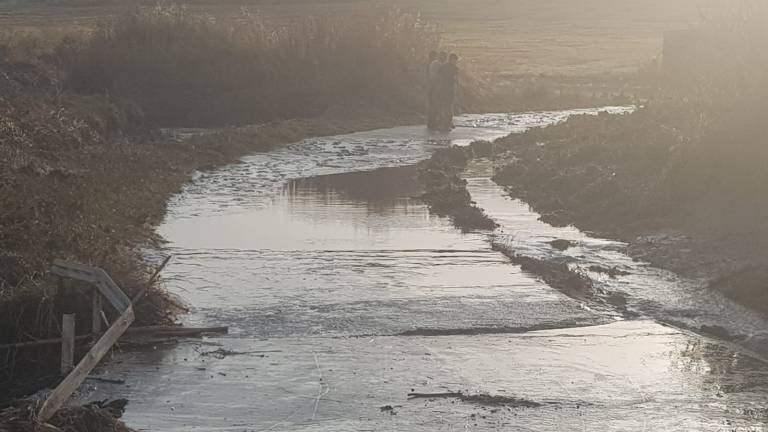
{"x":344,"y":295}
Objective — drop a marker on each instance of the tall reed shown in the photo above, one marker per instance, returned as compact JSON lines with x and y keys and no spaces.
{"x":186,"y":69}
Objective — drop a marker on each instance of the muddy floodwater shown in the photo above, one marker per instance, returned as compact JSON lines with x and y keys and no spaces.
{"x":344,"y":295}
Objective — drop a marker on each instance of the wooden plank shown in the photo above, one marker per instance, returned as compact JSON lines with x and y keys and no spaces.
{"x":96,"y":307}
{"x":168,"y":331}
{"x":175,"y":331}
{"x":73,"y":271}
{"x":67,"y":343}
{"x":95,"y":276}
{"x":112,"y":292}
{"x":40,"y":342}
{"x":86,"y":365}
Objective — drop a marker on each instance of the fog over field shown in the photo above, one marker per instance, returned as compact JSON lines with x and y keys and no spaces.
{"x":500,"y":36}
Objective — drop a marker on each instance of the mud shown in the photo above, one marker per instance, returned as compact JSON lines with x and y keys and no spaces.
{"x":635,"y":289}
{"x":324,"y":274}
{"x":613,"y":177}
{"x":482,"y":399}
{"x":487,"y":330}
{"x":557,"y":275}
{"x":446,"y":193}
{"x":440,"y":176}
{"x":610,"y":271}
{"x":221,"y":353}
{"x":561,"y":244}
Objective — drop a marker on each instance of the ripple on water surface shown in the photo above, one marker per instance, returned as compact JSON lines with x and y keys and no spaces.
{"x":318,"y":276}
{"x":352,"y":254}
{"x":649,"y":291}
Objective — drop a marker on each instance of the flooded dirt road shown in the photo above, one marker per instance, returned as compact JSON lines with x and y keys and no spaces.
{"x":344,"y":295}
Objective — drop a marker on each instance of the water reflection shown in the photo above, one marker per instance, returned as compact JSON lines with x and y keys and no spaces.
{"x":252,"y":183}
{"x":351,"y":254}
{"x":318,"y":280}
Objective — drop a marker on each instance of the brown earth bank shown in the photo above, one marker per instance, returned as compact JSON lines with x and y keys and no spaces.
{"x":693,"y":206}
{"x":629,"y":177}
{"x":447,"y":195}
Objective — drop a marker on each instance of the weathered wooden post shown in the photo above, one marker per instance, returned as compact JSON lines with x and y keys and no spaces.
{"x":67,"y":343}
{"x":96,"y":311}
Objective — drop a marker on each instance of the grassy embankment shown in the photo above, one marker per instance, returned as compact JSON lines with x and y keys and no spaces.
{"x":82,"y":175}
{"x":689,"y":167}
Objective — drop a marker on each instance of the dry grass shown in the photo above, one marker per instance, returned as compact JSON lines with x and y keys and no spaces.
{"x":511,"y":38}
{"x":194,"y":70}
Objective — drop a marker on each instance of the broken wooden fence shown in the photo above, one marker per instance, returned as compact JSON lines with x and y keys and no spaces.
{"x":106,"y":287}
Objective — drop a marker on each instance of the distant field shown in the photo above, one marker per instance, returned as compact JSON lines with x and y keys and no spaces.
{"x":500,"y":37}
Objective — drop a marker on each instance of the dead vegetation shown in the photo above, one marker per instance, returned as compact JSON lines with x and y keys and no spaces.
{"x":84,"y":178}
{"x":183,"y":69}
{"x":93,"y":417}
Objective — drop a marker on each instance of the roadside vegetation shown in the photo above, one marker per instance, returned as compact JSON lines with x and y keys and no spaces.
{"x":85,"y":177}
{"x":690,"y":161}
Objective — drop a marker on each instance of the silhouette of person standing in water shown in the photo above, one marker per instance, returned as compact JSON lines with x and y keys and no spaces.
{"x":436,"y":61}
{"x":447,"y":86}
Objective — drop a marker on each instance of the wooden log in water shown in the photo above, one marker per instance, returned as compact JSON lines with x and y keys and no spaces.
{"x":167,"y":331}
{"x":175,"y":331}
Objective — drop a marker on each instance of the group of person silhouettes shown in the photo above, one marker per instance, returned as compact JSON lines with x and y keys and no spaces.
{"x":442,"y":83}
